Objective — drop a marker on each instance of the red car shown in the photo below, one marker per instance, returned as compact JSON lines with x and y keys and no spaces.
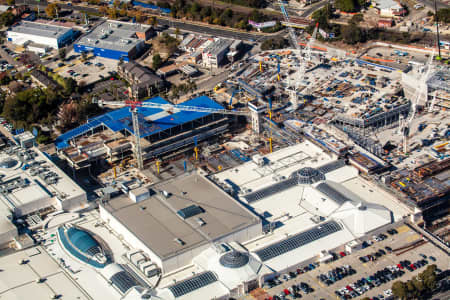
{"x":342,"y":254}
{"x":286,"y":292}
{"x":400,"y":266}
{"x":349,"y":288}
{"x":413,"y":266}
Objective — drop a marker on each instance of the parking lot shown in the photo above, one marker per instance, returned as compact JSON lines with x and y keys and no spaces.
{"x":91,"y":70}
{"x":363,"y":270}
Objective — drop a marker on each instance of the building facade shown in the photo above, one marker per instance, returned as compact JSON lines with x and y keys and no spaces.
{"x":45,"y":34}
{"x":115,"y":40}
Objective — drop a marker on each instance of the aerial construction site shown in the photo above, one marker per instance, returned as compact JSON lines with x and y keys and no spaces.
{"x":275,"y":173}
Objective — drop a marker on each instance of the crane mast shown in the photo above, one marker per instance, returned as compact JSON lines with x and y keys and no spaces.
{"x":138,"y":150}
{"x":421,"y":86}
{"x":294,"y":40}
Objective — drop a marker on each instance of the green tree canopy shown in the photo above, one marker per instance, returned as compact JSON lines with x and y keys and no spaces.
{"x":322,"y":16}
{"x":274,"y":43}
{"x":7,"y":18}
{"x":348,"y":5}
{"x":444,"y":15}
{"x":31,"y":106}
{"x":399,"y":290}
{"x":156,"y":61}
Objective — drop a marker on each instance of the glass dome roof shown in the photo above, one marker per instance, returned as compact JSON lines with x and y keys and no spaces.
{"x":234,"y":259}
{"x":309,"y":175}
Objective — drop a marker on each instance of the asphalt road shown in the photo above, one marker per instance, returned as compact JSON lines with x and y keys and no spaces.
{"x":430,"y":4}
{"x":313,"y":8}
{"x":204,"y":29}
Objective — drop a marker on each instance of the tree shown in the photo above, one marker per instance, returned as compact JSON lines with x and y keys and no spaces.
{"x":10,"y":2}
{"x":112,"y":13}
{"x":103,"y":10}
{"x":153,"y":21}
{"x":352,"y":34}
{"x":322,"y":16}
{"x":156,"y":61}
{"x":139,"y":16}
{"x":444,"y":15}
{"x":399,"y":290}
{"x":348,"y":5}
{"x":31,"y":106}
{"x":177,"y":32}
{"x":7,"y":18}
{"x":62,"y":53}
{"x":68,"y":115}
{"x":51,"y":10}
{"x":274,"y":43}
{"x":356,"y":19}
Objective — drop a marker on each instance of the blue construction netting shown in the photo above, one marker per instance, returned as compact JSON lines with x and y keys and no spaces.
{"x":238,"y":154}
{"x":120,"y":119}
{"x":151,"y":6}
{"x":81,"y":241}
{"x":363,"y":62}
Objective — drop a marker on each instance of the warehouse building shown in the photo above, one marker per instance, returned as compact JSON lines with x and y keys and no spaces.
{"x":47,"y":34}
{"x":115,"y":40}
{"x":179,"y":219}
{"x":111,"y":136}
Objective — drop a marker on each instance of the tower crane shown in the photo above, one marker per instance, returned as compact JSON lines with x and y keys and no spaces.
{"x":421,"y":87}
{"x":134,"y":109}
{"x":294,"y":40}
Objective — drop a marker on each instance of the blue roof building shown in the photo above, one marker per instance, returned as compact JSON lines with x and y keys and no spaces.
{"x":161,"y":131}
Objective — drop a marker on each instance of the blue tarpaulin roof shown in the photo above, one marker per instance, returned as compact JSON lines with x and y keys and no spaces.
{"x":120,"y":119}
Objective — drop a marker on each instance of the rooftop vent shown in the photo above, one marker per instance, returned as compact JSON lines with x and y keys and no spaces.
{"x":190,"y":211}
{"x":180,"y":241}
{"x":201,"y":222}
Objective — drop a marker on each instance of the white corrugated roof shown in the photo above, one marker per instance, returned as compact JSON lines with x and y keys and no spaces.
{"x":230,"y":277}
{"x":386,"y":4}
{"x":310,"y":250}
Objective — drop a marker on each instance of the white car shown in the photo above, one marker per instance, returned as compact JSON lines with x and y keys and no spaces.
{"x":388,"y":292}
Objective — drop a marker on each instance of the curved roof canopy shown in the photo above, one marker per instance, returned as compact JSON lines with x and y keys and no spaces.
{"x":83,"y":241}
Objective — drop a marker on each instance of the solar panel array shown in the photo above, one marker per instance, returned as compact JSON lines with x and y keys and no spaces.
{"x":329,"y":167}
{"x":271,"y":190}
{"x":190,"y":211}
{"x":123,"y":281}
{"x":298,"y":240}
{"x":189,"y":285}
{"x":332,"y":193}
